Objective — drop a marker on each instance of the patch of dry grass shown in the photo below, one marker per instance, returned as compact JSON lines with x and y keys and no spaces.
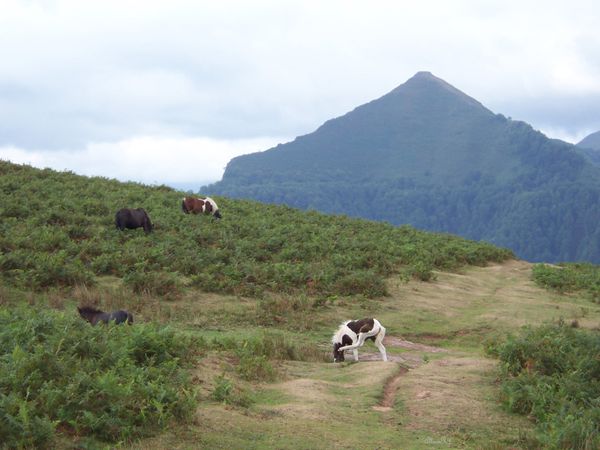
{"x":455,"y":397}
{"x":464,"y":308}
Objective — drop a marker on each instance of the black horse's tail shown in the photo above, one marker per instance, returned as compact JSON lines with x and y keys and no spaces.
{"x":129,"y":318}
{"x":118,"y":220}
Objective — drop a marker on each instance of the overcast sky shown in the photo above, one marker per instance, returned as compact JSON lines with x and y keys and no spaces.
{"x":169,"y":91}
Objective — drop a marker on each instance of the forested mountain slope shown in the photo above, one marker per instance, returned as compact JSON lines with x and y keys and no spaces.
{"x":428,"y":155}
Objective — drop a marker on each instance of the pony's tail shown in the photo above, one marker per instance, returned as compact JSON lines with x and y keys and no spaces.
{"x":129,"y":318}
{"x":185,"y":210}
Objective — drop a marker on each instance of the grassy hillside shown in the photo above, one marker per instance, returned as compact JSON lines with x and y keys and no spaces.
{"x":233,"y":319}
{"x":57,"y":229}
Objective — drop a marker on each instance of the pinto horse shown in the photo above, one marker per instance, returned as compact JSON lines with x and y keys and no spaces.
{"x":200,"y":205}
{"x":353,"y":334}
{"x":93,"y":315}
{"x":133,"y":218}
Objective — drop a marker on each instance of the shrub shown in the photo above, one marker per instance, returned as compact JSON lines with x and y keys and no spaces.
{"x":256,"y":368}
{"x":274,"y":310}
{"x":573,"y":277}
{"x":57,"y":269}
{"x":365,"y":282}
{"x":551,"y":374}
{"x":21,"y":427}
{"x":105,"y":264}
{"x":112,"y":383}
{"x":422,"y":270}
{"x":272,"y":345}
{"x":165,"y":284}
{"x":226,"y":392}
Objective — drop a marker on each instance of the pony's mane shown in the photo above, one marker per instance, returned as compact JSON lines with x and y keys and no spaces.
{"x":89,"y":309}
{"x":340,"y":331}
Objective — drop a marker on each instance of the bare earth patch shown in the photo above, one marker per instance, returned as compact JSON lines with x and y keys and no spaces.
{"x":389,"y":391}
{"x":401,"y":343}
{"x":453,"y":395}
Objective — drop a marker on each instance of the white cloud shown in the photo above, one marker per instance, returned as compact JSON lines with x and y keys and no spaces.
{"x":146,"y":159}
{"x":73,"y":73}
{"x":567,"y":135}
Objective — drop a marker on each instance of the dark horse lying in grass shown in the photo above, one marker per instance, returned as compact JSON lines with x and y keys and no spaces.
{"x":93,"y":315}
{"x":133,"y":218}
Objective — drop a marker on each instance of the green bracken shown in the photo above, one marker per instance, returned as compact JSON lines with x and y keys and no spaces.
{"x":552,"y":374}
{"x":115,"y":383}
{"x":570,"y":277}
{"x":57,"y":230}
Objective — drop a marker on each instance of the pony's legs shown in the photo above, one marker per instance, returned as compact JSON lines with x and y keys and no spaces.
{"x":360,"y":341}
{"x":379,"y":343}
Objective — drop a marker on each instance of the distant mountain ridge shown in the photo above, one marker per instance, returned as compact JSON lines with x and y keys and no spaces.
{"x":591,"y":141}
{"x":590,"y":146}
{"x":428,"y":155}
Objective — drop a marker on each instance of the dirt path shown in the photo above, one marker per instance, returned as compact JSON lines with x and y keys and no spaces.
{"x":408,"y":360}
{"x":389,"y":391}
{"x":452,"y":388}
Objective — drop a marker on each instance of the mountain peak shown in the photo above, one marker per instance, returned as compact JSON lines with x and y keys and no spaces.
{"x":424,"y":82}
{"x":425,"y":75}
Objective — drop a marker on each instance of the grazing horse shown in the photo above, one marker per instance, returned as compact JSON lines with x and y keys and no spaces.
{"x":133,"y":218}
{"x":200,"y":205}
{"x":353,"y":333}
{"x":93,"y":315}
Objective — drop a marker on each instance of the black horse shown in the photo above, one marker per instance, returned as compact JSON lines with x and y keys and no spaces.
{"x":93,"y":315}
{"x":133,"y":218}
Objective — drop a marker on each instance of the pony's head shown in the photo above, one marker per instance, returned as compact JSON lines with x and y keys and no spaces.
{"x":88,"y":312}
{"x":338,"y":356}
{"x":340,"y":339}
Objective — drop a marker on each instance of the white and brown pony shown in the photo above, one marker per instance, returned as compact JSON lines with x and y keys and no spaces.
{"x":353,"y":334}
{"x":200,"y":206}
